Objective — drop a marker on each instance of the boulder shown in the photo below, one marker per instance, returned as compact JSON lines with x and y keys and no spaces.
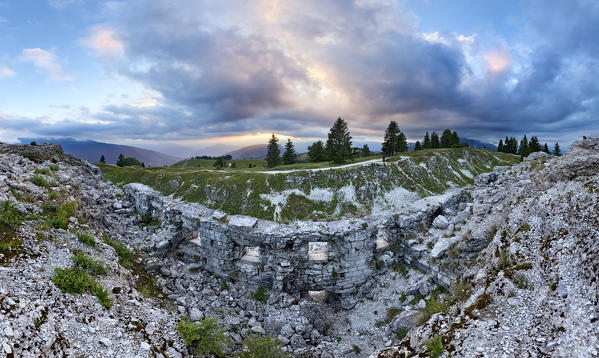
{"x":404,"y":320}
{"x":441,"y":222}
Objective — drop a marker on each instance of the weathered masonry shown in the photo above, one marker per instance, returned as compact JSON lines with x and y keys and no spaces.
{"x":304,"y":256}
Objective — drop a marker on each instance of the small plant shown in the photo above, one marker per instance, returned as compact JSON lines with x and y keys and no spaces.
{"x":525,"y":227}
{"x":44,"y":171}
{"x":53,"y":167}
{"x":433,"y":306}
{"x":224,"y":286}
{"x":401,"y":269}
{"x":392,"y":313}
{"x":87,"y":263}
{"x":125,"y":255}
{"x":10,"y":217}
{"x":207,"y":337}
{"x":260,"y":295}
{"x":60,"y":220}
{"x":39,"y":181}
{"x":262,"y":347}
{"x":86,"y":238}
{"x":402,"y":296}
{"x":52,"y":195}
{"x":434,"y":347}
{"x":74,"y":280}
{"x":356,"y":349}
{"x":402,"y":333}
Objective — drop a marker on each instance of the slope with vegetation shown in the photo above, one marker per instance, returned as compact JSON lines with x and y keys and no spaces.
{"x":309,"y":193}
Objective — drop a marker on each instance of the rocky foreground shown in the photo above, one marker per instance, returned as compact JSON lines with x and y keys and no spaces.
{"x":526,"y":249}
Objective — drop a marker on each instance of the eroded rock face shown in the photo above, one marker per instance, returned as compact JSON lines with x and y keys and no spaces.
{"x":530,"y":286}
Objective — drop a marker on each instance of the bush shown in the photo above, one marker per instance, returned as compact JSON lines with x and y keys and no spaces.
{"x":74,"y":280}
{"x":434,"y":347}
{"x":125,"y":255}
{"x":61,"y":218}
{"x":87,"y":263}
{"x":435,"y":306}
{"x":260,"y":295}
{"x":41,"y":171}
{"x":207,"y":337}
{"x":39,"y":181}
{"x":86,"y":238}
{"x":262,"y":347}
{"x":10,"y":217}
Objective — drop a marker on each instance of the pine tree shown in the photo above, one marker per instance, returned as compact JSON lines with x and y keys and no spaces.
{"x":534,"y":145}
{"x":289,"y":156}
{"x":316,"y":152}
{"x":426,"y":143}
{"x":455,"y":140}
{"x":524,"y":150}
{"x":556,"y":149}
{"x":506,"y":146}
{"x":219,"y":163}
{"x":338,"y":146}
{"x":500,"y":146}
{"x":446,"y":139}
{"x":102,"y":159}
{"x":402,"y":143}
{"x":546,"y":149}
{"x":417,"y":146}
{"x":366,"y":151}
{"x":435,"y":140}
{"x":273,"y":153}
{"x":390,"y":142}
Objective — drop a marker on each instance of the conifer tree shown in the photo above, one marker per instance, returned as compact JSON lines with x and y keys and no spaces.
{"x":546,"y":149}
{"x":435,"y":140}
{"x":426,"y":144}
{"x":316,"y":152}
{"x":391,"y":140}
{"x":338,"y":146}
{"x":455,"y":140}
{"x":402,"y":143}
{"x":289,"y":156}
{"x":417,"y":146}
{"x":534,"y":145}
{"x":446,"y":139}
{"x":102,"y":159}
{"x":500,"y":146}
{"x":556,"y":149}
{"x":366,"y":151}
{"x":273,"y":153}
{"x":524,"y":150}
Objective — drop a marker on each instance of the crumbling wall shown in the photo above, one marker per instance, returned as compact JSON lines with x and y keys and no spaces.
{"x":259,"y":252}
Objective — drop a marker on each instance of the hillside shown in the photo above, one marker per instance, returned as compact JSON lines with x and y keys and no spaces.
{"x":319,"y":194}
{"x":91,"y":150}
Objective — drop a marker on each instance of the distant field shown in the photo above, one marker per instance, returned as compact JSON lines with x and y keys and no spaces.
{"x":322,"y":194}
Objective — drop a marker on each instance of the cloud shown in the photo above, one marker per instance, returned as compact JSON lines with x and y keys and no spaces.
{"x":6,"y":72}
{"x":60,"y":4}
{"x":46,"y":62}
{"x":104,"y":41}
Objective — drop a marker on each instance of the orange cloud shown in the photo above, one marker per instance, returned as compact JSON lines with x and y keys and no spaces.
{"x":498,"y":61}
{"x":104,"y":41}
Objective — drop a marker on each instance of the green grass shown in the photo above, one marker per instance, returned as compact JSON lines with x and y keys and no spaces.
{"x":43,"y":171}
{"x":125,"y":255}
{"x":10,"y":217}
{"x":74,"y":280}
{"x":238,"y":191}
{"x":39,"y":181}
{"x":89,"y":264}
{"x":86,"y":238}
{"x":260,"y":295}
{"x":59,"y":219}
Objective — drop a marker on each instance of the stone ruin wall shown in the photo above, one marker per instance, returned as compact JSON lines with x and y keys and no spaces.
{"x":314,"y":258}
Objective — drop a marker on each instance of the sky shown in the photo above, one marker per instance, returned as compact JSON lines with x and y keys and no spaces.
{"x":190,"y":75}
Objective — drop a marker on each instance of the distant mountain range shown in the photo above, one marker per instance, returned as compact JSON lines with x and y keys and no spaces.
{"x":92,"y":151}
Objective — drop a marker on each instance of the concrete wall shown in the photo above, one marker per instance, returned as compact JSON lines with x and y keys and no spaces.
{"x":227,"y":244}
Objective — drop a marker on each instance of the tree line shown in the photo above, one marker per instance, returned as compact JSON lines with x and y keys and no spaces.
{"x":525,"y":147}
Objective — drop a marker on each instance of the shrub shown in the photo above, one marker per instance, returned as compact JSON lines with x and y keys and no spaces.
{"x":525,"y":227}
{"x":39,"y":181}
{"x":402,"y":296}
{"x":434,"y":347}
{"x":125,"y":255}
{"x":433,"y":306}
{"x":207,"y":337}
{"x":402,"y":333}
{"x":356,"y":349}
{"x":86,"y":238}
{"x":87,"y":263}
{"x":34,"y":143}
{"x":262,"y":347}
{"x":41,"y":171}
{"x":53,"y":167}
{"x":260,"y":295}
{"x":74,"y":280}
{"x":10,"y":217}
{"x":61,"y":218}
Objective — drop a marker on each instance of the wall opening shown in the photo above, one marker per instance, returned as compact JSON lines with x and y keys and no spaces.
{"x":196,"y":238}
{"x":251,"y":255}
{"x":318,"y":251}
{"x":318,"y":296}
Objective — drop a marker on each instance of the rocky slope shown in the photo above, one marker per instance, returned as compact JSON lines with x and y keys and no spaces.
{"x":532,"y":290}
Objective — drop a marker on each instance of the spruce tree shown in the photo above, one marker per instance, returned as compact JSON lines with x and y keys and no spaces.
{"x":426,"y":144}
{"x":338,"y":146}
{"x":366,"y":151}
{"x":435,"y":140}
{"x":446,"y":139}
{"x":500,"y":146}
{"x":506,"y":145}
{"x":556,"y":149}
{"x":102,"y":159}
{"x":316,"y":152}
{"x":417,"y":146}
{"x":289,"y":156}
{"x":524,"y":150}
{"x":455,"y":140}
{"x":402,"y":143}
{"x":534,"y":145}
{"x":390,"y":142}
{"x":273,"y":153}
{"x":546,"y":149}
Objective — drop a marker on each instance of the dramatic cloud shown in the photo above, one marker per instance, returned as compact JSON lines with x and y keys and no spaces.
{"x":46,"y":62}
